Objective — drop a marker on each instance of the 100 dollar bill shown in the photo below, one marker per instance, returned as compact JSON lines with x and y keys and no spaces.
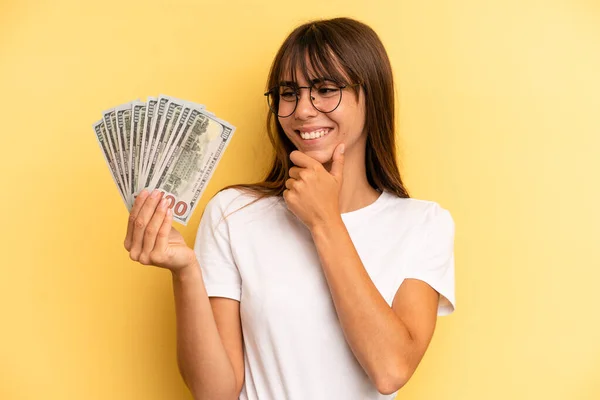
{"x":166,"y":143}
{"x":191,"y":160}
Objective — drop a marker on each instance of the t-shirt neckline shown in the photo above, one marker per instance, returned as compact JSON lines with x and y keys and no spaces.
{"x":366,"y":210}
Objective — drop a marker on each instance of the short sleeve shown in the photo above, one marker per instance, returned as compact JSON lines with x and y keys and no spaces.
{"x":433,"y":259}
{"x":214,"y":254}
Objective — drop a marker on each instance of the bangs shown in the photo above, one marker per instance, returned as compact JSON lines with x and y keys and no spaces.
{"x":315,"y":58}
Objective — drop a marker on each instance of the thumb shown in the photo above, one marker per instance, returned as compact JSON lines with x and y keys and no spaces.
{"x":337,"y":165}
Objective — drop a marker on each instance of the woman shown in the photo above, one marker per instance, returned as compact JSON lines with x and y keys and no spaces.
{"x":323,"y":281}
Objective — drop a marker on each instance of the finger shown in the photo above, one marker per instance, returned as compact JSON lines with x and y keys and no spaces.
{"x":141,"y":221}
{"x":337,"y":165}
{"x":290,"y":183}
{"x":295,"y":172}
{"x":162,"y":238}
{"x":152,"y":230}
{"x":137,"y":205}
{"x":302,"y":160}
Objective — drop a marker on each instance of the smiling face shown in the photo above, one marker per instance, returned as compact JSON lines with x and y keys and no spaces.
{"x":316,"y":133}
{"x":349,"y":52}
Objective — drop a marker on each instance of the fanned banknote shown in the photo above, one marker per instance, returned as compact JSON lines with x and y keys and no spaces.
{"x":166,"y":143}
{"x":103,"y":141}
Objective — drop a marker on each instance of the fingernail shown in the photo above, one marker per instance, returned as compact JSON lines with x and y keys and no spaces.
{"x":164,"y":202}
{"x":155,"y":193}
{"x":343,"y":149}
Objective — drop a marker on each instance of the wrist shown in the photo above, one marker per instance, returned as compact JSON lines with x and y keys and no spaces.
{"x":191,"y":271}
{"x":324,"y":227}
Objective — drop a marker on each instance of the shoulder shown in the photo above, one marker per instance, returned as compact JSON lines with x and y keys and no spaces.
{"x":235,"y":201}
{"x":227,"y":197}
{"x":425,"y":214}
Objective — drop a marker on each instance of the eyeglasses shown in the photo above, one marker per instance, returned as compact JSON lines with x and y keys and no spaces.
{"x":325,"y":97}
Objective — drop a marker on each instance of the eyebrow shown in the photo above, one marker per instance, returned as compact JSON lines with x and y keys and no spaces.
{"x":315,"y":80}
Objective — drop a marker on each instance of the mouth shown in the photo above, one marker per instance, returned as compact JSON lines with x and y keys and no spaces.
{"x":313,"y":135}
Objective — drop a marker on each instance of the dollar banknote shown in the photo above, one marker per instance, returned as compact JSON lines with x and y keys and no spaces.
{"x":178,"y":129}
{"x":166,"y":143}
{"x":167,"y":123}
{"x":159,"y":111}
{"x":190,"y":162}
{"x":138,"y":113}
{"x":101,"y":136}
{"x":144,"y":141}
{"x":110,"y":121}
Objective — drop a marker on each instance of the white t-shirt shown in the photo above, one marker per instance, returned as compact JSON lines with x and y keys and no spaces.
{"x":264,"y":257}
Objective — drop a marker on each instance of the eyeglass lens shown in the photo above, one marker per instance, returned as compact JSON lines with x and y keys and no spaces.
{"x":325,"y":97}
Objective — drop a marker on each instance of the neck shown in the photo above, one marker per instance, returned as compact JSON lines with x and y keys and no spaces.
{"x":355,"y":192}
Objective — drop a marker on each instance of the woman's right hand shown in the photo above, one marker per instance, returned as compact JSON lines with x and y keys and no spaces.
{"x":151,"y":240}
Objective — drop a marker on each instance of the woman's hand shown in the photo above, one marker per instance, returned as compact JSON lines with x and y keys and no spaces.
{"x":312,"y":192}
{"x":150,"y":238}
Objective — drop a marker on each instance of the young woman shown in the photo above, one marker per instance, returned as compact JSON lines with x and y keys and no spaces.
{"x":324,"y":281}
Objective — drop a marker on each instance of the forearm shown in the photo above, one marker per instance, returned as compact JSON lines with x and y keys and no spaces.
{"x":202,"y":359}
{"x":379,"y":340}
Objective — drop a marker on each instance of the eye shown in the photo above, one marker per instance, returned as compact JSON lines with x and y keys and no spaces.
{"x":287,"y":93}
{"x":326,"y":89}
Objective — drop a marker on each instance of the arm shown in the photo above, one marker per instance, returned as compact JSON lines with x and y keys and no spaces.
{"x":209,"y":334}
{"x":388,"y":342}
{"x":209,"y":340}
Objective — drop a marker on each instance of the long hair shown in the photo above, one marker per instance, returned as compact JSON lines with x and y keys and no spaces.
{"x":349,"y":52}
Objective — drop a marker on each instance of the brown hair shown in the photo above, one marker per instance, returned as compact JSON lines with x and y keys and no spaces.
{"x":353,"y":47}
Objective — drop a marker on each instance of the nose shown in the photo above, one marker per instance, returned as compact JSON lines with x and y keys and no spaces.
{"x":304,"y":109}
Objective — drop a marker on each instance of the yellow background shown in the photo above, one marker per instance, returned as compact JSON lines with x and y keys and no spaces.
{"x":499,"y":121}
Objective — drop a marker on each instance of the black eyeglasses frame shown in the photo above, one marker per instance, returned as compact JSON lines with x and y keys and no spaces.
{"x":297,"y":92}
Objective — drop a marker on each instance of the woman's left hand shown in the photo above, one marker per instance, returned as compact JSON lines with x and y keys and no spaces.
{"x":312,"y":192}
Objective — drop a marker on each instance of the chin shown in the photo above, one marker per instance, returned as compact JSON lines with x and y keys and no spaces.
{"x":321,"y":155}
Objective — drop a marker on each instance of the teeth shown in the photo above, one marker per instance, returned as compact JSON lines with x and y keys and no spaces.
{"x":314,"y":134}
